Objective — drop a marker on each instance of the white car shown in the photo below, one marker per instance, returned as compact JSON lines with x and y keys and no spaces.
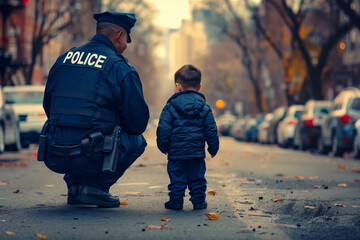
{"x":286,"y":129}
{"x":263,"y":128}
{"x":9,"y":127}
{"x":26,"y":101}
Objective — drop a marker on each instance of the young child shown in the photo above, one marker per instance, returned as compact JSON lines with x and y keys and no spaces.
{"x":186,"y":122}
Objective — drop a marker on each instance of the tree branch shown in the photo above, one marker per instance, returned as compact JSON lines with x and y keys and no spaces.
{"x":346,"y":8}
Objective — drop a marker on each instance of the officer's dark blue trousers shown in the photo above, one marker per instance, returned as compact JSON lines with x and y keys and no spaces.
{"x":187,"y":173}
{"x":103,"y":180}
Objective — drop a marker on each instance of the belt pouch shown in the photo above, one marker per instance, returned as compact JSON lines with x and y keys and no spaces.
{"x":42,"y":147}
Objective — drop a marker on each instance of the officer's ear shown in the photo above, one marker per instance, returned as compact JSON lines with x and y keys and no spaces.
{"x":118,"y":35}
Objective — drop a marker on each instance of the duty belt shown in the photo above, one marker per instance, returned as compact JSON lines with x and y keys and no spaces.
{"x":67,"y":150}
{"x":91,"y":146}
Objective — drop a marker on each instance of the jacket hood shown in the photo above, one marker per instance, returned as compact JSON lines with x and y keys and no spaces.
{"x":188,"y":102}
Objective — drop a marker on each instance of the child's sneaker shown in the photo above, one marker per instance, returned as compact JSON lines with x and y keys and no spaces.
{"x":174,"y":205}
{"x":199,"y":205}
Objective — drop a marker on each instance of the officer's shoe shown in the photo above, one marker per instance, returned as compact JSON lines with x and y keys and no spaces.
{"x":199,"y":205}
{"x":174,"y":204}
{"x":73,"y":192}
{"x":94,"y":196}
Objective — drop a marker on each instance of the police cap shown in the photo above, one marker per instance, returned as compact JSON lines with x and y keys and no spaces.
{"x":125,"y":20}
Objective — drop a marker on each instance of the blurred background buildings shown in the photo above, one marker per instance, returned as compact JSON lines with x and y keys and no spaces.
{"x":254,"y":55}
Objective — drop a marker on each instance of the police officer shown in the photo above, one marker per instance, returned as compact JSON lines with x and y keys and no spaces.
{"x":91,"y":89}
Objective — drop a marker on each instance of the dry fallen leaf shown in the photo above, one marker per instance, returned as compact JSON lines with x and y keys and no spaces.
{"x":4,"y":182}
{"x":162,"y":191}
{"x":342,"y":185}
{"x":300,"y":177}
{"x":339,"y":205}
{"x":357,"y":180}
{"x":355,"y":170}
{"x":163,"y":226}
{"x":343,"y":167}
{"x":279,"y":175}
{"x":317,"y":186}
{"x":42,"y":237}
{"x":212,"y":215}
{"x":277,"y":200}
{"x":313,"y":177}
{"x":49,"y":185}
{"x":123,"y":203}
{"x":212,"y":192}
{"x":310,"y":207}
{"x":165,"y":219}
{"x":17,"y":191}
{"x":10,"y":233}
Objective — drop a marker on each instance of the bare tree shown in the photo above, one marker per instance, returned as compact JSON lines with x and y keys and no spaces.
{"x":294,"y":18}
{"x":50,"y":19}
{"x":348,"y":7}
{"x":245,"y":38}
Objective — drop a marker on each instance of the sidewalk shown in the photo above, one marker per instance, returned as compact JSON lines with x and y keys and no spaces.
{"x":33,"y":200}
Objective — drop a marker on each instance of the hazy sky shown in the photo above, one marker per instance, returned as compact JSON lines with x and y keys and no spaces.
{"x":171,"y":12}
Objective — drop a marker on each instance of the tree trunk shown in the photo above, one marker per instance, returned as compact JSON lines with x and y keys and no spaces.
{"x":315,"y":83}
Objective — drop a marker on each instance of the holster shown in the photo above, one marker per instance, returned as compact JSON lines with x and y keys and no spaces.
{"x":43,"y":138}
{"x":111,"y":150}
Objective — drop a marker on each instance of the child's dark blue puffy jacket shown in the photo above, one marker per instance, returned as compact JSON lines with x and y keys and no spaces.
{"x":186,"y":122}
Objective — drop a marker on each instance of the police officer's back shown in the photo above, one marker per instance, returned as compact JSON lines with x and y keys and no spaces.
{"x":90,"y":90}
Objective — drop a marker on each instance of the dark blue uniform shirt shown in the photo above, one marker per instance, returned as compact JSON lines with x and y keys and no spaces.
{"x":92,"y":87}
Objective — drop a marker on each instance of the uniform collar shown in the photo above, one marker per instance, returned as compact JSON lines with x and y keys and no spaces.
{"x":104,"y":39}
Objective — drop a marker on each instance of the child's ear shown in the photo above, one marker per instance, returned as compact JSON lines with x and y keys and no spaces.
{"x":178,"y":87}
{"x":198,"y":89}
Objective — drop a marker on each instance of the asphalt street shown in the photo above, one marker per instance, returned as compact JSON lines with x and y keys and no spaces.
{"x":259,"y":191}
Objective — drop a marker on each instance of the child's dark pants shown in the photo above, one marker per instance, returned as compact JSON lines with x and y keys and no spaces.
{"x":187,"y":173}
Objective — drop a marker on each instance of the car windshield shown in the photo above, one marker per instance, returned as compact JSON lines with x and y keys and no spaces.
{"x":24,"y":97}
{"x":321,"y":109}
{"x":356,"y":104}
{"x":297,"y":113}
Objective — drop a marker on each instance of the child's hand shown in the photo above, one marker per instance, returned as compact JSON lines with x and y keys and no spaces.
{"x":212,"y":156}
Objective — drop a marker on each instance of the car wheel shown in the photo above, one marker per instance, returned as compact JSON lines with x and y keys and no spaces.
{"x":356,"y":154}
{"x":322,"y":149}
{"x":336,"y":150}
{"x":2,"y":139}
{"x":17,"y":145}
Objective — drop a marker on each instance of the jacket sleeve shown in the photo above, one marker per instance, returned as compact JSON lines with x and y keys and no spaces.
{"x":49,"y":88}
{"x":211,"y":134}
{"x":133,"y":109}
{"x":164,"y":129}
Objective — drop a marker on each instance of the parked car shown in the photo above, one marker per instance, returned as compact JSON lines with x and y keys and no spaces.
{"x":237,"y":128}
{"x":286,"y":129}
{"x":259,"y":119}
{"x":9,"y":127}
{"x":263,"y":128}
{"x":356,"y":146}
{"x":27,"y":102}
{"x":308,"y":128}
{"x":225,"y":122}
{"x":249,"y":129}
{"x":279,"y":114}
{"x":337,"y":127}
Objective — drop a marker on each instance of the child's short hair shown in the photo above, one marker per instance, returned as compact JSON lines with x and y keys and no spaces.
{"x":188,"y":76}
